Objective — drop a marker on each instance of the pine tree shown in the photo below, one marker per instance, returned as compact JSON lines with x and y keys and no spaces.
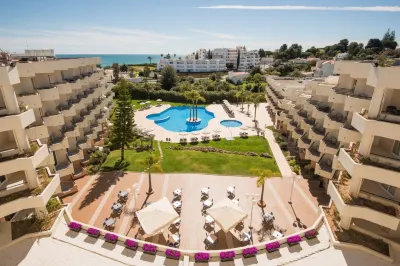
{"x":123,"y":122}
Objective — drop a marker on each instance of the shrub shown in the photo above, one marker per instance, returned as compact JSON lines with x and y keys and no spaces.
{"x":75,"y":226}
{"x":265,"y":155}
{"x":283,"y":145}
{"x":94,"y":232}
{"x":293,"y":240}
{"x":202,"y":256}
{"x":272,"y":246}
{"x":311,"y":234}
{"x":149,"y":248}
{"x":112,"y":238}
{"x":296,"y":169}
{"x":53,"y":205}
{"x":131,"y":244}
{"x":227,"y":255}
{"x":174,"y":254}
{"x":247,"y":252}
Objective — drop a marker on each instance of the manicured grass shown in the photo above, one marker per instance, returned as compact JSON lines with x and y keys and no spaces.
{"x":131,"y":162}
{"x":185,"y":161}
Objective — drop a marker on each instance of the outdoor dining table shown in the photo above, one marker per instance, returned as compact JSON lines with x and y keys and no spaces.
{"x":245,"y":237}
{"x":205,"y":190}
{"x":209,"y":219}
{"x":117,"y":206}
{"x":277,"y":234}
{"x":268,"y":217}
{"x":109,"y":222}
{"x":177,"y":204}
{"x":174,"y":238}
{"x":231,"y":190}
{"x":207,"y":203}
{"x":178,"y":192}
{"x":211,"y":239}
{"x":236,"y":201}
{"x":123,"y":194}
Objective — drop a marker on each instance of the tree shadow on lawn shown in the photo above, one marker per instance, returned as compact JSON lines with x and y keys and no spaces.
{"x":118,"y":165}
{"x":99,"y":187}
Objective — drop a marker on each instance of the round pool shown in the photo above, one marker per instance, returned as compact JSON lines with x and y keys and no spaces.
{"x":231,"y":123}
{"x":176,"y":119}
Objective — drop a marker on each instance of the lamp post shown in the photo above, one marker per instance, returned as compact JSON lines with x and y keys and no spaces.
{"x":253,"y":201}
{"x":136,"y":192}
{"x":291,"y":190}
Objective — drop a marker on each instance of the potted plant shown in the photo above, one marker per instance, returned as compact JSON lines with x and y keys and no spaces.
{"x":173,"y":254}
{"x":111,"y":238}
{"x":227,"y":255}
{"x":93,"y":232}
{"x":273,"y":246}
{"x":74,"y":226}
{"x":249,"y":252}
{"x":130,"y":244}
{"x":150,"y":249}
{"x":201,"y":257}
{"x":311,"y":234}
{"x":294,"y":240}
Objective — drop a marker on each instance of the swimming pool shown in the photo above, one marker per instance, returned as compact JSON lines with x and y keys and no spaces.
{"x":231,"y":123}
{"x":174,"y":119}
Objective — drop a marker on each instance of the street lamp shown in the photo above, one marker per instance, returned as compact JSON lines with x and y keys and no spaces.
{"x":291,"y":190}
{"x":253,"y":200}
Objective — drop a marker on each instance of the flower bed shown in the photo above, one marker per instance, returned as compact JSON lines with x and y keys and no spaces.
{"x":111,"y":238}
{"x":249,"y":252}
{"x":173,"y":254}
{"x":74,"y":226}
{"x":201,"y":257}
{"x":311,"y":234}
{"x":150,"y":249}
{"x":227,"y":255}
{"x":273,"y":246}
{"x":131,"y":244}
{"x":93,"y":232}
{"x":294,"y":240}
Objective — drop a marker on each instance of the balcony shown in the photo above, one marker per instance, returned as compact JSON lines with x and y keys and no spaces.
{"x":28,"y":199}
{"x":339,"y":95}
{"x":75,"y":155}
{"x":362,"y":208}
{"x":313,"y":154}
{"x":324,"y":168}
{"x":297,"y":133}
{"x":32,"y":100}
{"x":359,"y":166}
{"x":79,"y":121}
{"x":78,"y":103}
{"x":348,"y":134}
{"x":334,"y":121}
{"x":91,"y":134}
{"x":336,"y":165}
{"x":67,"y":110}
{"x":100,"y":118}
{"x":354,"y":103}
{"x":366,"y":125}
{"x":53,"y":119}
{"x":71,"y":131}
{"x":302,"y":113}
{"x":307,"y":123}
{"x":65,"y":169}
{"x":37,"y":131}
{"x":49,"y":94}
{"x":304,"y":142}
{"x":323,"y":89}
{"x":17,"y":121}
{"x":292,"y":125}
{"x":316,"y":133}
{"x":64,"y":88}
{"x":329,"y":145}
{"x":320,"y":111}
{"x":84,"y":144}
{"x":58,"y":143}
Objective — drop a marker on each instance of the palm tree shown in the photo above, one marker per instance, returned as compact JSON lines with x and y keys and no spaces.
{"x":256,"y":99}
{"x":262,"y":175}
{"x":191,"y":95}
{"x":197,"y":98}
{"x":241,"y":94}
{"x":152,"y":162}
{"x":174,"y":55}
{"x":149,"y":59}
{"x":248,"y":97}
{"x":162,"y":55}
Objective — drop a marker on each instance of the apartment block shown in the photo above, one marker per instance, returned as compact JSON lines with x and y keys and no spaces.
{"x":248,"y":59}
{"x":189,"y":65}
{"x":230,"y":55}
{"x":51,"y":113}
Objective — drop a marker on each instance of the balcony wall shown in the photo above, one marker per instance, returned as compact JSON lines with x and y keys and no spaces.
{"x":303,"y":145}
{"x":64,"y":88}
{"x":50,"y":94}
{"x":348,"y":135}
{"x":54,"y":120}
{"x":310,"y":156}
{"x":33,"y":101}
{"x":361,"y":212}
{"x":317,"y":114}
{"x":75,"y":155}
{"x":331,"y":124}
{"x":323,"y":172}
{"x":69,"y":112}
{"x":324,"y":148}
{"x":18,"y":121}
{"x":37,"y":132}
{"x":354,"y":104}
{"x":336,"y":165}
{"x":375,"y":127}
{"x":62,"y":145}
{"x":314,"y":136}
{"x":65,"y":170}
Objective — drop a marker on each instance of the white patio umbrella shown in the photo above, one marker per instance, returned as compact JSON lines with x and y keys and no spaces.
{"x":157,"y":216}
{"x":142,"y":103}
{"x":227,"y":214}
{"x":148,"y":102}
{"x":159,"y":100}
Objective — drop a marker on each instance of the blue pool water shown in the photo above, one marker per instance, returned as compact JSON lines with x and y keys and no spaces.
{"x":174,"y":119}
{"x":231,"y":123}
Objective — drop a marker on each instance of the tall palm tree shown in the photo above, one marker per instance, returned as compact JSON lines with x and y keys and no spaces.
{"x":256,"y":99}
{"x":152,"y":162}
{"x":162,"y":55}
{"x":174,"y":55}
{"x":248,"y":97}
{"x":149,"y":59}
{"x":262,"y":175}
{"x":197,"y":98}
{"x":241,"y":94}
{"x":191,"y":95}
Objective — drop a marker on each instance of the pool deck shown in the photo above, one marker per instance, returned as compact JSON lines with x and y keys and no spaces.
{"x":214,"y":124}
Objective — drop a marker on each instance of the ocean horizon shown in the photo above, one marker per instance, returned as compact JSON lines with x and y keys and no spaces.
{"x":109,"y":59}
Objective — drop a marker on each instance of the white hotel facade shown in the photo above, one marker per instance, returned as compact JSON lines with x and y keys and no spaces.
{"x":51,"y":113}
{"x":349,"y":128}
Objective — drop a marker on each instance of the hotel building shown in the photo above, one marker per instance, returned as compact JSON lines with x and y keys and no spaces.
{"x":190,"y":65}
{"x":51,"y":113}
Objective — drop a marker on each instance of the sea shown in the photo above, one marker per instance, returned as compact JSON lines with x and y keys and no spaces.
{"x":109,"y":59}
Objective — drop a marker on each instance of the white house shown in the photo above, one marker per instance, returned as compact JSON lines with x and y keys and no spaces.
{"x":188,"y":65}
{"x":237,"y":76}
{"x":324,"y":68}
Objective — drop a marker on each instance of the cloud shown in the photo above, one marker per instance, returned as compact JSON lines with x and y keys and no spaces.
{"x":322,"y":8}
{"x":217,"y":35}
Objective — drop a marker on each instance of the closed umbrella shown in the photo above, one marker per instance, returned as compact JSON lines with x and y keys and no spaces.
{"x":227,"y":214}
{"x":159,"y":100}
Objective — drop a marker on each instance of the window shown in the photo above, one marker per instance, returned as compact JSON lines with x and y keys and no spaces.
{"x":391,"y":190}
{"x":396,"y":148}
{"x":2,"y":179}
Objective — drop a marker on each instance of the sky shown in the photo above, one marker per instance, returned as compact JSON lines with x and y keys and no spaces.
{"x":183,"y":26}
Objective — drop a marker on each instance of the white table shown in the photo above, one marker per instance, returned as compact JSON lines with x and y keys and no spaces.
{"x":177,"y":222}
{"x":117,"y":206}
{"x":177,"y":204}
{"x":268,"y":217}
{"x":245,"y":237}
{"x":235,"y":201}
{"x":174,"y":238}
{"x":178,"y":192}
{"x":123,"y":194}
{"x":231,"y":190}
{"x":207,"y":203}
{"x":277,"y":234}
{"x":211,"y":239}
{"x":109,"y":222}
{"x":209,"y":219}
{"x":205,"y":191}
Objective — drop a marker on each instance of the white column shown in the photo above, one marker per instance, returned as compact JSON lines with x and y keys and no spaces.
{"x":376,"y":102}
{"x":345,"y":222}
{"x":10,"y":99}
{"x":355,"y":185}
{"x":32,"y":178}
{"x":365,"y":144}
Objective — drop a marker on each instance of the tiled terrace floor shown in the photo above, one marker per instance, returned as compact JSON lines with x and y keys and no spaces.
{"x":97,"y":194}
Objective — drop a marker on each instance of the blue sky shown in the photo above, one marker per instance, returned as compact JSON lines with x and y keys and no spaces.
{"x":180,"y":26}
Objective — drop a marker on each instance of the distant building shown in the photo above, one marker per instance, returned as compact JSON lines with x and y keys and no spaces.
{"x":266,"y":61}
{"x":190,"y":65}
{"x":237,"y":76}
{"x":299,"y":61}
{"x":248,"y":59}
{"x":323,"y":68}
{"x":341,"y":56}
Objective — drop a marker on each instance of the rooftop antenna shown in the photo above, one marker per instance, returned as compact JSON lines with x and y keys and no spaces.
{"x":27,"y":47}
